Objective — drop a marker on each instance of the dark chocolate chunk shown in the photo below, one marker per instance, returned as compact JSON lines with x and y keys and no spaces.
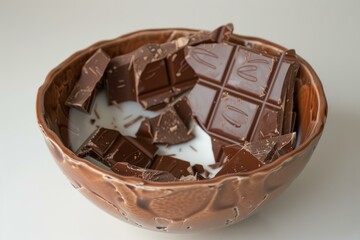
{"x":144,"y":76}
{"x":83,"y":93}
{"x":169,"y":127}
{"x":145,"y":131}
{"x":175,"y":166}
{"x":119,"y":81}
{"x":198,"y":168}
{"x":263,"y":150}
{"x":242,"y":161}
{"x":289,"y":112}
{"x":183,"y":110}
{"x":154,"y":73}
{"x":200,"y":172}
{"x":98,"y":144}
{"x":216,"y":36}
{"x":110,"y":147}
{"x":286,"y":143}
{"x":131,"y":150}
{"x":240,"y":95}
{"x":217,"y":147}
{"x":266,"y":150}
{"x":126,"y":169}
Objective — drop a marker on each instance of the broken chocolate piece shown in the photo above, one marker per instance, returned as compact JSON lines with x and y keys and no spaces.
{"x":262,"y":150}
{"x":266,"y":150}
{"x":240,"y":95}
{"x":216,"y":36}
{"x":166,"y":128}
{"x":119,"y":82}
{"x":81,"y":97}
{"x":242,"y":161}
{"x":154,"y":73}
{"x":126,"y":169}
{"x":98,"y":144}
{"x":217,"y":147}
{"x":286,"y":143}
{"x":143,"y":75}
{"x":145,"y":131}
{"x":109,"y":147}
{"x":200,"y":171}
{"x":183,"y":110}
{"x":175,"y":166}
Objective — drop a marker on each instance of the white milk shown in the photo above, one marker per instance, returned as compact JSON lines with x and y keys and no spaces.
{"x":115,"y":117}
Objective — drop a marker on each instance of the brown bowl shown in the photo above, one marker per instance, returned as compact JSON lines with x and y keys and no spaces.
{"x":176,"y":206}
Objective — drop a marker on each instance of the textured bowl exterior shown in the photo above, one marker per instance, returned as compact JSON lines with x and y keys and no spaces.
{"x":177,"y":206}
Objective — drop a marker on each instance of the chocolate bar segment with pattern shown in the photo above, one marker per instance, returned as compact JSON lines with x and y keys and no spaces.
{"x":154,"y":73}
{"x":240,"y":95}
{"x":109,"y":147}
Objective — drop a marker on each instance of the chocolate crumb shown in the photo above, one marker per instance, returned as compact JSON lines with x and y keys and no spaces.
{"x":127,"y":117}
{"x":96,"y":113}
{"x":173,"y":128}
{"x":132,"y":122}
{"x":193,"y":148}
{"x":92,"y":121}
{"x":206,"y":173}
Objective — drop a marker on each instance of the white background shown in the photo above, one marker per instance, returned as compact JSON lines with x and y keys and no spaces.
{"x":37,"y":201}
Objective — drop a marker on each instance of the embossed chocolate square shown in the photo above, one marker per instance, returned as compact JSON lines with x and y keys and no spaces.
{"x":241,"y":92}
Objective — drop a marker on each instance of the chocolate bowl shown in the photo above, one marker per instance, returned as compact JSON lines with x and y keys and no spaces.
{"x":177,"y":206}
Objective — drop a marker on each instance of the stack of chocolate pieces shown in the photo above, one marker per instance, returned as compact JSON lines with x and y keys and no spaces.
{"x":241,"y":97}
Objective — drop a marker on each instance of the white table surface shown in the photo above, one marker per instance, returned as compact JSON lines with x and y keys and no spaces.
{"x":37,"y":201}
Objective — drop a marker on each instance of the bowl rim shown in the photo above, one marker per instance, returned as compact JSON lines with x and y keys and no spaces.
{"x":55,"y":139}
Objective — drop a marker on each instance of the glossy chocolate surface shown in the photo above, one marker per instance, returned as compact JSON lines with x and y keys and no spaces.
{"x":241,"y":93}
{"x":242,"y":161}
{"x":126,"y":169}
{"x":266,"y":150}
{"x":177,"y":206}
{"x":91,"y":77}
{"x":110,"y":147}
{"x":177,"y":167}
{"x":154,"y":73}
{"x":170,"y":127}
